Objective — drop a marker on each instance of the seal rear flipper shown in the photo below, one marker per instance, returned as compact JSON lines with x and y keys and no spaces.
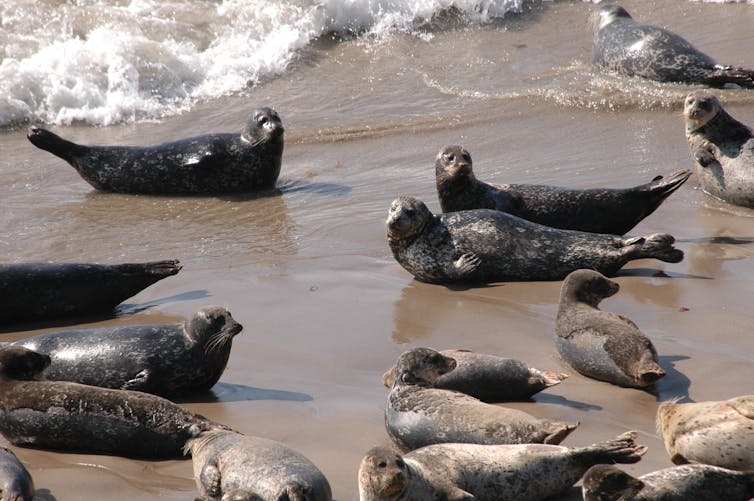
{"x":722,"y":75}
{"x":657,"y":246}
{"x":48,"y":141}
{"x":558,"y":432}
{"x":159,"y":268}
{"x":545,"y":378}
{"x":621,"y":449}
{"x":662,"y":187}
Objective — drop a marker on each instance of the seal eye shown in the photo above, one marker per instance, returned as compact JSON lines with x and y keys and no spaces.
{"x":382,"y":464}
{"x":450,"y":157}
{"x":262,"y":120}
{"x":466,"y":157}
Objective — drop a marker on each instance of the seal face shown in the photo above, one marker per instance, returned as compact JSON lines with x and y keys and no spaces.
{"x":601,"y":344}
{"x":417,"y":414}
{"x":715,"y":433}
{"x":232,"y":466}
{"x":598,"y":210}
{"x":214,"y":163}
{"x":485,"y":472}
{"x":486,"y":245}
{"x":167,"y":360}
{"x":16,"y":483}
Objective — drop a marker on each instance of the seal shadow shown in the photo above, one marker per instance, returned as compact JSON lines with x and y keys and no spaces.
{"x":649,"y":272}
{"x":318,"y":188}
{"x":44,"y":495}
{"x":549,"y":398}
{"x":128,"y":308}
{"x":230,"y":392}
{"x":675,"y":384}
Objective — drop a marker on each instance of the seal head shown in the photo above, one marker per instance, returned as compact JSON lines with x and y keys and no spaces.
{"x":383,"y":474}
{"x":264,"y":125}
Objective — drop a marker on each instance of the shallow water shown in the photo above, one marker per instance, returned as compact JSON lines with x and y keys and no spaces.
{"x":308,"y":272}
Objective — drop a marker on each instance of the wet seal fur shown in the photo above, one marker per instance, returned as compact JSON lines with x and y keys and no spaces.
{"x":699,"y":482}
{"x":417,"y":415}
{"x":601,"y":344}
{"x":722,"y":149}
{"x":16,"y":483}
{"x":528,"y":472}
{"x":74,"y":417}
{"x":209,"y":164}
{"x":489,"y":378}
{"x":167,"y":360}
{"x":598,"y":210}
{"x":231,"y":466}
{"x":44,"y":291}
{"x":486,"y":245}
{"x":718,"y":433}
{"x":626,"y":46}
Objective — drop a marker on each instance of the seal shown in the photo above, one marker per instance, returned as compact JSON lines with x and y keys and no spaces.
{"x":232,"y":466}
{"x":168,"y":360}
{"x":699,"y":482}
{"x":74,"y":417}
{"x":722,"y":149}
{"x":528,"y":472}
{"x":44,"y":291}
{"x":209,"y":164}
{"x":626,"y":46}
{"x":486,"y":245}
{"x":489,"y":378}
{"x":16,"y":483}
{"x":417,"y":414}
{"x":601,"y":344}
{"x":598,"y":210}
{"x":718,"y":433}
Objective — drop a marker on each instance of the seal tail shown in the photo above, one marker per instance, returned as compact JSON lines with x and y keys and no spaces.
{"x":621,"y":449}
{"x":46,"y":140}
{"x":722,"y":75}
{"x":657,"y":246}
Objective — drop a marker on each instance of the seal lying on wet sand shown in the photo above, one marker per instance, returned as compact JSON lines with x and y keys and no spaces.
{"x":16,"y":483}
{"x":596,"y":210}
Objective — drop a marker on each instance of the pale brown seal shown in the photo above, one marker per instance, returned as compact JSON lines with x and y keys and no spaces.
{"x":16,"y":483}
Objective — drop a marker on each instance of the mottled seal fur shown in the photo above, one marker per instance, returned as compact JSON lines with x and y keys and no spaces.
{"x":43,"y":291}
{"x":74,"y":417}
{"x":417,"y":414}
{"x":213,"y":163}
{"x":722,"y":149}
{"x":597,"y":210}
{"x":168,"y":360}
{"x":626,"y":46}
{"x":489,"y":378}
{"x":601,"y":344}
{"x":528,"y":472}
{"x":699,"y":482}
{"x":715,"y":433}
{"x":16,"y":483}
{"x":486,"y":245}
{"x":231,"y":466}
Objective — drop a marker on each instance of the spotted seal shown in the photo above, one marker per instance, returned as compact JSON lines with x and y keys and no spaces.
{"x":168,"y":360}
{"x":489,"y":378}
{"x":699,"y":482}
{"x":601,"y":344}
{"x":718,"y":433}
{"x":722,"y":149}
{"x":626,"y":46}
{"x":214,"y":163}
{"x":417,"y":414}
{"x":597,"y":210}
{"x":16,"y":483}
{"x":44,"y":291}
{"x":526,"y":472}
{"x":486,"y":245}
{"x":74,"y":417}
{"x":232,"y":466}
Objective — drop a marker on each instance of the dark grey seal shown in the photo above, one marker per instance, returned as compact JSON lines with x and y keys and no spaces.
{"x":229,"y":466}
{"x":699,"y":482}
{"x":45,"y":291}
{"x":626,"y":46}
{"x":489,"y":378}
{"x":486,"y":245}
{"x":418,"y":414}
{"x":16,"y":483}
{"x":722,"y":149}
{"x":471,"y":472}
{"x":597,"y":210}
{"x":601,"y":344}
{"x":213,"y":163}
{"x":74,"y":417}
{"x":168,"y":360}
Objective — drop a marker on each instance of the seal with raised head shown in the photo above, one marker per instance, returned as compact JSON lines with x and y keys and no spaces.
{"x":719,"y":433}
{"x":486,"y":245}
{"x":74,"y":417}
{"x":213,"y":163}
{"x":44,"y":291}
{"x":601,"y":344}
{"x":16,"y":483}
{"x":489,"y":378}
{"x":699,"y":482}
{"x":597,"y":210}
{"x":722,"y":149}
{"x":168,"y":360}
{"x":418,"y":414}
{"x":626,"y":46}
{"x":231,"y":466}
{"x":528,"y":472}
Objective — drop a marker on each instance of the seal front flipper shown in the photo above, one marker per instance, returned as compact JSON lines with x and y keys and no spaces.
{"x":139,"y":382}
{"x":705,"y":155}
{"x":48,"y":141}
{"x":458,"y":494}
{"x":210,"y":478}
{"x":464,"y":265}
